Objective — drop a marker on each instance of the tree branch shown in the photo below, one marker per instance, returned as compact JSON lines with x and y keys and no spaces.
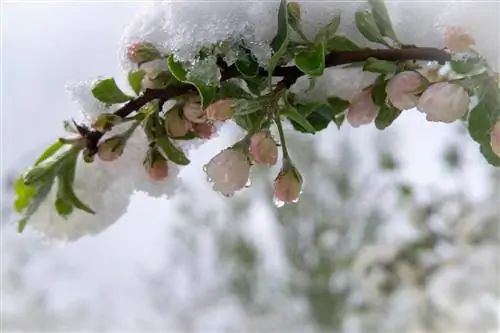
{"x":290,"y":75}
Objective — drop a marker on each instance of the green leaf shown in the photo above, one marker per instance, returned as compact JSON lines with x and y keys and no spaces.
{"x":247,"y":65}
{"x":39,"y":174}
{"x":386,"y":116}
{"x":49,"y":152}
{"x":378,"y":91}
{"x":294,"y":115}
{"x":488,"y":153}
{"x":63,"y":207}
{"x":337,"y":104}
{"x":328,"y":31}
{"x":35,"y":202}
{"x":256,"y":85}
{"x":311,"y":61}
{"x":339,"y":44}
{"x":207,"y":92}
{"x":244,"y":107}
{"x":108,"y":92}
{"x":66,"y":179}
{"x":280,"y":41}
{"x":173,"y":153}
{"x":485,"y":114}
{"x":471,"y":67}
{"x":23,"y":194}
{"x":368,"y":28}
{"x":232,"y":89}
{"x":294,"y":15}
{"x":379,"y":66}
{"x":381,"y":18}
{"x":135,"y":80}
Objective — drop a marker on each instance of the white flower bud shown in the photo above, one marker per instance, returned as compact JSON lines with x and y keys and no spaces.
{"x":362,"y":110}
{"x":444,"y":102}
{"x":229,"y":171}
{"x":403,"y":88}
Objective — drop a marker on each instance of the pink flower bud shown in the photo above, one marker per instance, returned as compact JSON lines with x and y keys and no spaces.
{"x":140,"y":52}
{"x":495,"y":138}
{"x":204,"y":131}
{"x":158,"y":169}
{"x":194,"y":113}
{"x":110,"y":149}
{"x":457,"y":40}
{"x":403,"y":88}
{"x":362,"y":110}
{"x":288,"y":185}
{"x":445,"y":102}
{"x":229,"y":171}
{"x":263,"y":149}
{"x":221,"y":110}
{"x":175,"y":125}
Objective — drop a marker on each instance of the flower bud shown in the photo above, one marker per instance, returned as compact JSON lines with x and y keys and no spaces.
{"x":403,"y":88}
{"x":194,"y":113}
{"x":457,"y":40}
{"x":156,"y":165}
{"x":445,"y":102}
{"x":175,"y":125}
{"x":204,"y":131}
{"x":362,"y":110}
{"x":229,"y":171}
{"x":140,"y":52}
{"x":221,"y":110}
{"x":110,"y":149}
{"x":495,"y":138}
{"x":263,"y":149}
{"x":288,"y":185}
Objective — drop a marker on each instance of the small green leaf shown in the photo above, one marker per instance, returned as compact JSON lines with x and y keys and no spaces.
{"x":23,"y":194}
{"x":66,"y":179}
{"x":381,"y":18}
{"x":378,"y":91}
{"x":36,"y":200}
{"x":256,"y":85}
{"x":311,"y":61}
{"x":135,"y":80}
{"x":379,"y":66}
{"x":386,"y":116}
{"x":173,"y":153}
{"x":488,"y":153}
{"x":232,"y":89}
{"x":337,"y":104}
{"x":368,"y":28}
{"x":328,"y":31}
{"x":63,"y":207}
{"x":49,"y":152}
{"x":247,"y":64}
{"x":294,"y":15}
{"x":245,"y":107}
{"x":339,"y":44}
{"x":248,"y":121}
{"x":471,"y":67}
{"x":280,"y":41}
{"x":39,"y":174}
{"x":485,"y":114}
{"x":292,"y":114}
{"x":207,"y":92}
{"x":108,"y":92}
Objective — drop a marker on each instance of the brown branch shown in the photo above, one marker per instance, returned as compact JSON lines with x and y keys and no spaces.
{"x":290,"y":75}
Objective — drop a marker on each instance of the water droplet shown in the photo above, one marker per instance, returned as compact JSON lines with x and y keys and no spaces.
{"x":278,"y":203}
{"x":228,"y":195}
{"x":205,"y":168}
{"x":296,"y":200}
{"x":249,"y":183}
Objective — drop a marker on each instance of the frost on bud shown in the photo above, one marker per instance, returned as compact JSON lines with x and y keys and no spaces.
{"x":140,"y":52}
{"x":444,"y":102}
{"x":263,"y":149}
{"x":175,"y":125}
{"x":221,"y":110}
{"x":362,"y":110}
{"x":193,"y":112}
{"x":155,"y":79}
{"x":156,"y":165}
{"x":457,"y":40}
{"x":110,"y":149}
{"x":495,"y":138}
{"x":204,"y":131}
{"x":229,"y":171}
{"x":287,"y":185}
{"x":403,"y":88}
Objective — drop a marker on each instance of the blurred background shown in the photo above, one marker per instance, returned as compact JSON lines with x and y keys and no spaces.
{"x":396,"y":231}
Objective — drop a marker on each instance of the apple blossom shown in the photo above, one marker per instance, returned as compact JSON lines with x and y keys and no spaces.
{"x":203,"y":130}
{"x":229,"y":171}
{"x":156,"y":167}
{"x":288,"y":185}
{"x":495,"y":138}
{"x":221,"y":110}
{"x":444,"y":102}
{"x":111,"y":149}
{"x":362,"y":110}
{"x":139,"y":52}
{"x":263,"y":149}
{"x":402,"y":89}
{"x":193,"y":112}
{"x":175,"y":125}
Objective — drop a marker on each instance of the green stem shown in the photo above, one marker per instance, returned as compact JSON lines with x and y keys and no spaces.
{"x":277,"y":120}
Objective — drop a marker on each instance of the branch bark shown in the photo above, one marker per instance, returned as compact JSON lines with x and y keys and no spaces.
{"x":290,"y":75}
